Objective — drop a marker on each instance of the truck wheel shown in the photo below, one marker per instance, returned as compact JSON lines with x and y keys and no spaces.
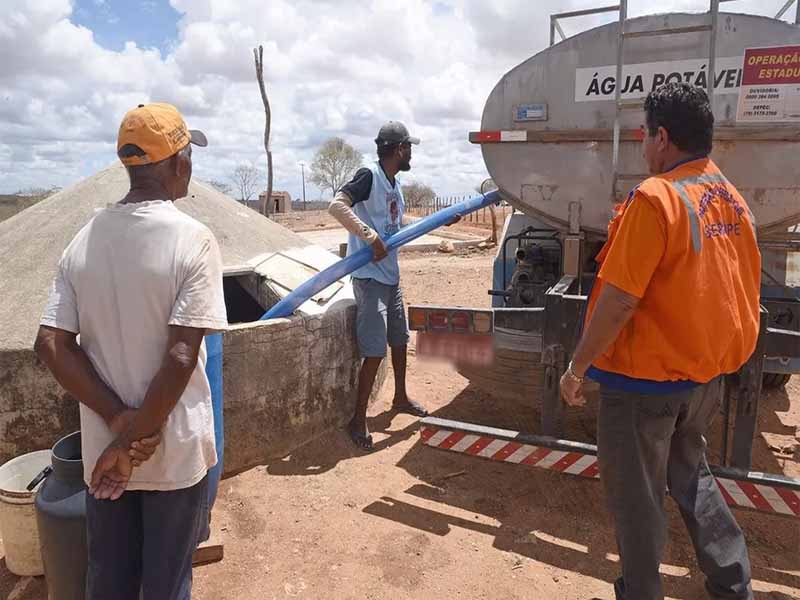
{"x":774,"y":381}
{"x":513,"y":375}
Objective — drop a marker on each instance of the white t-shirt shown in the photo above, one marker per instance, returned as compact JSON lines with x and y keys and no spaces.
{"x":130,"y":272}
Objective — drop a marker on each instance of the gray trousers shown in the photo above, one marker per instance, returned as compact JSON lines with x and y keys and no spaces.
{"x":141,"y":545}
{"x":649,"y":444}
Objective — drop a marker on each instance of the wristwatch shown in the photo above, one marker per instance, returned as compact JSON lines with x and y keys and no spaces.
{"x":572,"y":375}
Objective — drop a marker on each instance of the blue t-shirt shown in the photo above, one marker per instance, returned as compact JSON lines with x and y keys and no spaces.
{"x":617,"y":381}
{"x":379,"y":204}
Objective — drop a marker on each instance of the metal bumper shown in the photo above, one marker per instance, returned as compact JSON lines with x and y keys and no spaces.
{"x":774,"y":494}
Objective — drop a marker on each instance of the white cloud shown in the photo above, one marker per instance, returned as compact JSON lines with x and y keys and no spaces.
{"x":332,"y":68}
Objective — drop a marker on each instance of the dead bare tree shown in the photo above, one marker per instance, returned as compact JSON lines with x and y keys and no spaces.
{"x":245,"y":180}
{"x":258,"y":53}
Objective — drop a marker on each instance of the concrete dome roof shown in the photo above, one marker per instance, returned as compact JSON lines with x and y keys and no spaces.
{"x":32,"y":241}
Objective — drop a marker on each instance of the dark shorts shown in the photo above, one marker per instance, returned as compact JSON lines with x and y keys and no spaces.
{"x":145,"y":541}
{"x":380,"y":317}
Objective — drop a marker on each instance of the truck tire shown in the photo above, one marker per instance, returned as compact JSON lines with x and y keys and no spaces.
{"x":513,"y":374}
{"x":774,"y":381}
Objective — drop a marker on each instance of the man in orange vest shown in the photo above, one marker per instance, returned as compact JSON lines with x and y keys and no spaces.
{"x":675,"y":307}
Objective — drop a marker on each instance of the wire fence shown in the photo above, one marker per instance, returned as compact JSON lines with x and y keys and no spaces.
{"x":299,"y":220}
{"x":478,"y":218}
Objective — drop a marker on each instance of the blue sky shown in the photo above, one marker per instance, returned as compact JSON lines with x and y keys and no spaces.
{"x":149,"y":23}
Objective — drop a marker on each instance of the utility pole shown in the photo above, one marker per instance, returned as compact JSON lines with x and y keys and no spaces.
{"x":303,"y":171}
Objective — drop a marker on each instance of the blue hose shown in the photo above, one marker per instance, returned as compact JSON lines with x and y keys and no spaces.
{"x":347,"y":265}
{"x":214,"y":374}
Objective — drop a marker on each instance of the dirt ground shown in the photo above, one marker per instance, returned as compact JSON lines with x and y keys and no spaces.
{"x":409,"y":521}
{"x":412,"y":522}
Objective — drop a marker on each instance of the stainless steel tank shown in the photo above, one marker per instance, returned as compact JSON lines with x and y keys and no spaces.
{"x":556,"y":113}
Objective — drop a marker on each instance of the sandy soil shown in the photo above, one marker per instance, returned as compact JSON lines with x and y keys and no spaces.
{"x":412,"y":522}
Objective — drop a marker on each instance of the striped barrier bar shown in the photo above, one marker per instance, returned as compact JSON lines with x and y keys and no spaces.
{"x":574,"y":463}
{"x":742,"y":489}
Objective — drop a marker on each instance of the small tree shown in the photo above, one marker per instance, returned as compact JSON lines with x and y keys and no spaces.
{"x":417,"y":195}
{"x":245,"y":181}
{"x":221,"y":186}
{"x":334,"y":164}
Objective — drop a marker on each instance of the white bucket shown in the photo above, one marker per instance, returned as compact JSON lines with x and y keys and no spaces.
{"x":18,"y":515}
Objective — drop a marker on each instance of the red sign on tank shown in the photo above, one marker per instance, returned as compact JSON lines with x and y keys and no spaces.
{"x":764,"y":66}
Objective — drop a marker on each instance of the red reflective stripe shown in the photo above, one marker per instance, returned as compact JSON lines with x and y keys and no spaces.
{"x":479,"y":445}
{"x":452,"y":439}
{"x":506,"y":451}
{"x":567,"y":461}
{"x":488,"y":136}
{"x":791,"y":498}
{"x":591,"y":471}
{"x":426,"y":433}
{"x":536,"y":456}
{"x":755,"y":496}
{"x":728,"y":498}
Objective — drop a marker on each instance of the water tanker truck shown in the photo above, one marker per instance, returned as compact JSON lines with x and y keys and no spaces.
{"x":560,"y":137}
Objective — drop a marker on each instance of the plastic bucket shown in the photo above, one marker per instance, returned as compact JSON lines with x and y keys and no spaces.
{"x":17,"y":514}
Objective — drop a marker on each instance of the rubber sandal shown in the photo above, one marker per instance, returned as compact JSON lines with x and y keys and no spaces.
{"x":361,"y":441}
{"x":412,"y":408}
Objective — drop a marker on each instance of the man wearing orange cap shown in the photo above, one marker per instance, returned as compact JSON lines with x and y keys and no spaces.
{"x":142,"y":284}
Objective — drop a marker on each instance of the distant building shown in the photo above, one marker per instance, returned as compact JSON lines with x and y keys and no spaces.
{"x":280,"y":202}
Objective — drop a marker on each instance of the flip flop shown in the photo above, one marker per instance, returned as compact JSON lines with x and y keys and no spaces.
{"x":362,"y":442}
{"x":412,"y":408}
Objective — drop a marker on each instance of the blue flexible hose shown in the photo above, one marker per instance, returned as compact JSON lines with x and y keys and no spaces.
{"x":347,"y":265}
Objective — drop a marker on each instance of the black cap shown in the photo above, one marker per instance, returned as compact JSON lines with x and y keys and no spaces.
{"x":394,"y":132}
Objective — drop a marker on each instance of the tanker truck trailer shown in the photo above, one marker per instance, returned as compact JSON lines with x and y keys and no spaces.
{"x":560,"y":136}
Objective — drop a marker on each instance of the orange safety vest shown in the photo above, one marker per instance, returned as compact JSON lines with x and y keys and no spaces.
{"x":699,"y":315}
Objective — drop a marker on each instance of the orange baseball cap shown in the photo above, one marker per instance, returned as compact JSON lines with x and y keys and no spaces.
{"x":157,"y":131}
